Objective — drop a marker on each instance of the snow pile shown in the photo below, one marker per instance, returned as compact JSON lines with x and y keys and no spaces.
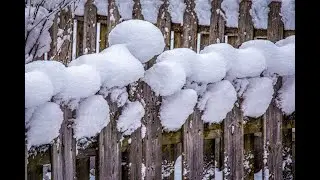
{"x":183,"y":64}
{"x":55,"y":70}
{"x":217,"y":101}
{"x":92,"y":117}
{"x":226,"y":50}
{"x":286,"y":95}
{"x":209,"y":68}
{"x":45,"y":124}
{"x":203,"y":10}
{"x":250,"y":62}
{"x":82,"y":81}
{"x":231,"y":9}
{"x":257,"y":97}
{"x":183,"y":56}
{"x":125,"y":8}
{"x":143,"y":39}
{"x":288,"y":14}
{"x":28,"y":114}
{"x":287,"y":40}
{"x":259,"y":12}
{"x":150,"y":10}
{"x":176,"y":108}
{"x":38,"y":88}
{"x":240,"y":63}
{"x":165,"y":78}
{"x":130,"y":118}
{"x":176,"y":10}
{"x":279,"y":60}
{"x":116,"y":66}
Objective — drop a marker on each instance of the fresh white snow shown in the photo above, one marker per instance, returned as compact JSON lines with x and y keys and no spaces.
{"x":45,"y":124}
{"x":143,"y":39}
{"x":231,"y":9}
{"x":92,"y":117}
{"x":55,"y":70}
{"x":288,"y":14}
{"x":165,"y":78}
{"x":217,"y":101}
{"x":203,"y":10}
{"x":150,"y":10}
{"x":176,"y":10}
{"x":259,"y":13}
{"x":279,"y":60}
{"x":286,"y":95}
{"x":183,"y":56}
{"x":257,"y":97}
{"x":82,"y":81}
{"x":176,"y":108}
{"x":130,"y":118}
{"x":209,"y":68}
{"x":287,"y":40}
{"x":38,"y":88}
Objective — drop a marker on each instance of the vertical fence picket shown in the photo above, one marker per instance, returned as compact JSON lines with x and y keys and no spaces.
{"x":193,"y":128}
{"x":273,"y":116}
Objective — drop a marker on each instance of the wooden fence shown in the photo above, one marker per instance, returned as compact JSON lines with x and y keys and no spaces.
{"x":239,"y":146}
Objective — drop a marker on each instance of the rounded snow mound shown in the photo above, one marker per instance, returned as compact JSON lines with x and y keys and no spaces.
{"x":165,"y":78}
{"x":184,"y":56}
{"x":55,"y":70}
{"x":38,"y":88}
{"x":82,"y":81}
{"x":143,"y":39}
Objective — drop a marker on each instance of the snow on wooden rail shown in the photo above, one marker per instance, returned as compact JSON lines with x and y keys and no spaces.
{"x":215,"y":75}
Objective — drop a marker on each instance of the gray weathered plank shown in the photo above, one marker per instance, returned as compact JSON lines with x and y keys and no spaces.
{"x":193,"y":146}
{"x":109,"y":147}
{"x":245,"y":25}
{"x":189,"y":29}
{"x":109,"y":155}
{"x":113,"y":17}
{"x":152,"y":141}
{"x":136,"y":160}
{"x":63,"y":53}
{"x":137,"y":10}
{"x":168,"y":153}
{"x":79,"y":45}
{"x":89,"y":27}
{"x":192,"y":134}
{"x":135,"y":156}
{"x":64,"y":151}
{"x":53,"y":34}
{"x":233,"y":145}
{"x":217,"y":23}
{"x":273,"y":116}
{"x":275,"y":24}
